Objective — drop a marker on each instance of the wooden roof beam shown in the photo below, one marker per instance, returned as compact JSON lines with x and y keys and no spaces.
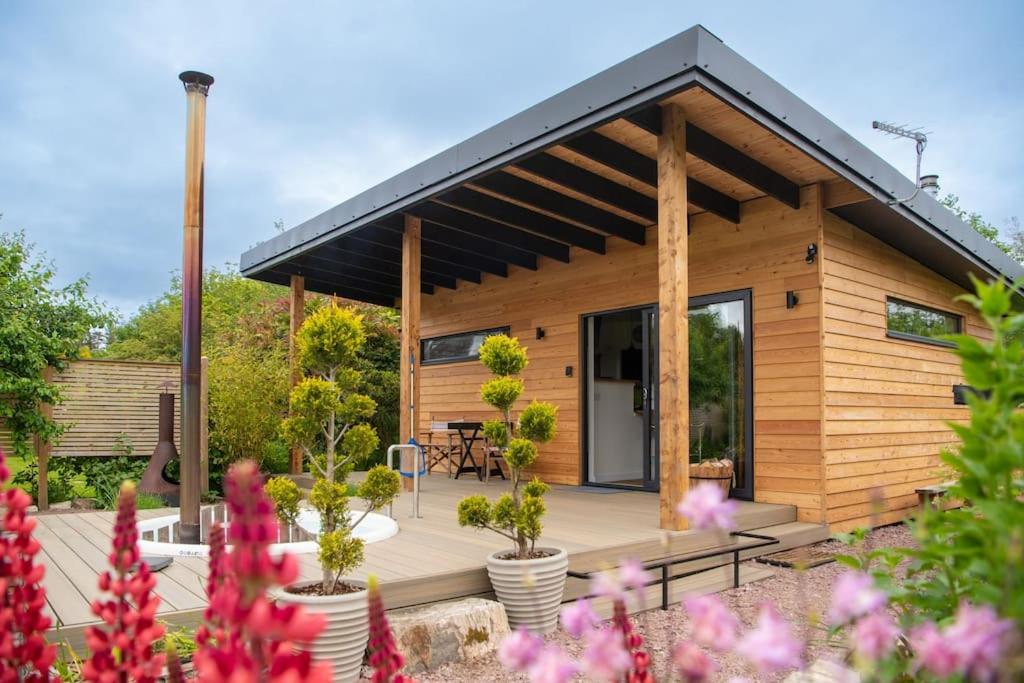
{"x":351,"y":256}
{"x":725,"y":157}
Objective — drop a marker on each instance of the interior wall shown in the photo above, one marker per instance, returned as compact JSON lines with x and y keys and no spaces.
{"x":887,"y":401}
{"x":764,"y":253}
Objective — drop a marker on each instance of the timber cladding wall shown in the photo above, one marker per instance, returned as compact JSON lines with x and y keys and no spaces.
{"x":887,"y":401}
{"x":764,"y":253}
{"x":103,"y":398}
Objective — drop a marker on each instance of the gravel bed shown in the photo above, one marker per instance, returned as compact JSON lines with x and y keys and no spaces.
{"x":797,"y":594}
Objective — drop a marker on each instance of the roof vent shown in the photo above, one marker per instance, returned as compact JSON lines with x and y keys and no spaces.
{"x":930,"y":184}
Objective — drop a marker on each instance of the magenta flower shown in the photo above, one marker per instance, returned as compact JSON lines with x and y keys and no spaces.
{"x":771,"y":647}
{"x":633,"y":576}
{"x":519,"y":650}
{"x":932,"y":651}
{"x":605,"y":657}
{"x":977,"y":637}
{"x":713,"y":625}
{"x":552,"y":665}
{"x":854,"y":595}
{"x":874,"y":636}
{"x":616,"y":584}
{"x":707,"y":508}
{"x":578,"y":617}
{"x":607,"y":584}
{"x":692,"y":663}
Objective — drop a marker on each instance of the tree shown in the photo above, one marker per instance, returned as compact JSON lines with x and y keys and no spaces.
{"x":41,"y":325}
{"x":1014,"y":248}
{"x":329,"y":421}
{"x":516,"y":515}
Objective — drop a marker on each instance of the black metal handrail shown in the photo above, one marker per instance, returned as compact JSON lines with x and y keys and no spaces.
{"x":665,"y":563}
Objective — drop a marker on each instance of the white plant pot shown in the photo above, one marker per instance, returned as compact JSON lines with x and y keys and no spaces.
{"x":530,"y":590}
{"x":343,"y":640}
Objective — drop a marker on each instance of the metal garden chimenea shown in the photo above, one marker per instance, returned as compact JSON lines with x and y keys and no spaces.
{"x":155,"y":479}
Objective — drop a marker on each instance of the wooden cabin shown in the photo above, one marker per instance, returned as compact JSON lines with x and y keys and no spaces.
{"x":700,"y":264}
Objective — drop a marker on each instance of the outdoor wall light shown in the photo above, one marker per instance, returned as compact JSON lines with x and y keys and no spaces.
{"x":812,"y":251}
{"x":540,"y":333}
{"x":792,"y":299}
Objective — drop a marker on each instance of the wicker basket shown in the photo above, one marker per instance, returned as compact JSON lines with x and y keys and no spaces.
{"x":719,"y":472}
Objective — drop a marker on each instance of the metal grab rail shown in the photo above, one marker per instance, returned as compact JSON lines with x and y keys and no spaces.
{"x":415,"y":478}
{"x":664,"y":564}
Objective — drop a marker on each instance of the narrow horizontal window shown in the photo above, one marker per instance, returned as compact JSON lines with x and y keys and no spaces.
{"x":454,"y":348}
{"x":905,"y":320}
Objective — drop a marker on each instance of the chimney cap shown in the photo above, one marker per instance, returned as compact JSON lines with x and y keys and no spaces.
{"x":196,"y":77}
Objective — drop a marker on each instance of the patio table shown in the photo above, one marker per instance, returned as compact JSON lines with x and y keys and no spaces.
{"x":469,"y":434}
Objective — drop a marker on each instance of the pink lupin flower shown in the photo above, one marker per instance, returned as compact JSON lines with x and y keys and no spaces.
{"x":771,"y":647}
{"x":385,"y":659}
{"x":519,"y":650}
{"x":552,"y":665}
{"x":605,"y":657}
{"x":976,"y":636}
{"x":853,"y":595}
{"x":707,"y":508}
{"x":24,"y":653}
{"x":691,"y":663}
{"x":578,"y":617}
{"x":874,"y":636}
{"x":213,"y":626}
{"x":257,"y":636}
{"x":122,"y":649}
{"x":932,"y":652}
{"x":713,"y":624}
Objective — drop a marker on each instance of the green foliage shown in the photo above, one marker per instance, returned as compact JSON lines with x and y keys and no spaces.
{"x":61,"y":485}
{"x":517,"y":515}
{"x":380,"y":487}
{"x":974,"y":552}
{"x":521,"y":453}
{"x":501,"y":392}
{"x":503,"y":355}
{"x":147,"y":501}
{"x":331,"y":500}
{"x":105,"y":476}
{"x":41,"y":325}
{"x":247,"y":386}
{"x":340,"y":552}
{"x":312,"y":403}
{"x":286,"y":497}
{"x":329,"y":339}
{"x":496,"y":433}
{"x":537,"y":421}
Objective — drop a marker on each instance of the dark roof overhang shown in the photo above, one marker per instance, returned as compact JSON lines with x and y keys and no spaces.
{"x":921,"y":228}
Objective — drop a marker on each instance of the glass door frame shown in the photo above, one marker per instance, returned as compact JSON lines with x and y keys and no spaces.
{"x":746,"y":297}
{"x":652,"y":479}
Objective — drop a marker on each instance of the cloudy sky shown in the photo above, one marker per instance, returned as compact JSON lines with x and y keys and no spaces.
{"x":317,"y":101}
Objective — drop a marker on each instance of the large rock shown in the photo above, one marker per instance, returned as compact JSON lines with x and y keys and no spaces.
{"x":444,"y":632}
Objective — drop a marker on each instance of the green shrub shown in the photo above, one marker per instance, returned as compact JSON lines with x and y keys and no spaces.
{"x":147,"y":501}
{"x":105,"y":476}
{"x":501,"y":392}
{"x":286,"y":497}
{"x":503,"y":355}
{"x":537,"y":421}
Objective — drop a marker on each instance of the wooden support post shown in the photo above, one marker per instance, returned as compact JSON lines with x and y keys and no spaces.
{"x":42,"y":450}
{"x":673,"y":326}
{"x":410,"y":366}
{"x":204,"y":425}
{"x":297,"y":315}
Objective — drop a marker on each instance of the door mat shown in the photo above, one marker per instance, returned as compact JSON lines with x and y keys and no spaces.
{"x":799,"y":558}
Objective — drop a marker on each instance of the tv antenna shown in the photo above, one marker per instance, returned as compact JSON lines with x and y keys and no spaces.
{"x":921,"y":140}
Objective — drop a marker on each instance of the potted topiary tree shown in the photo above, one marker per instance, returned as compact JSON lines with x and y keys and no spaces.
{"x":329,"y":422}
{"x":527,"y":579}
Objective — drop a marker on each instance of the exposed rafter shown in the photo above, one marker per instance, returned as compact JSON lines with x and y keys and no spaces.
{"x":725,"y":157}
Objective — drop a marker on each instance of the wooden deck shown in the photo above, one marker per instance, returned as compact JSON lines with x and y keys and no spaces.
{"x":430,"y":559}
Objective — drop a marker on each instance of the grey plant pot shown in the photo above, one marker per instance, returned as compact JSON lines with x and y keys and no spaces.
{"x":343,"y":640}
{"x":530,"y":590}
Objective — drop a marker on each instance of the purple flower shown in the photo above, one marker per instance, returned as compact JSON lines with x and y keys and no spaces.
{"x":607,"y":584}
{"x":519,"y":650}
{"x":707,"y":508}
{"x":771,"y":647}
{"x":976,"y":637}
{"x":633,"y":576}
{"x":605,"y":657}
{"x":874,"y":636}
{"x":578,"y":617}
{"x":713,"y":625}
{"x":617,"y":584}
{"x":552,"y":665}
{"x":853,"y":595}
{"x":932,"y":651}
{"x":692,"y":663}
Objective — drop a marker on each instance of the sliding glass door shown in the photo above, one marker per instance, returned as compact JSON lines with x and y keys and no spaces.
{"x":621,"y":392}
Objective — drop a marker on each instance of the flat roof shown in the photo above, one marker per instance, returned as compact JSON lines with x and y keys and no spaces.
{"x":921,"y":228}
